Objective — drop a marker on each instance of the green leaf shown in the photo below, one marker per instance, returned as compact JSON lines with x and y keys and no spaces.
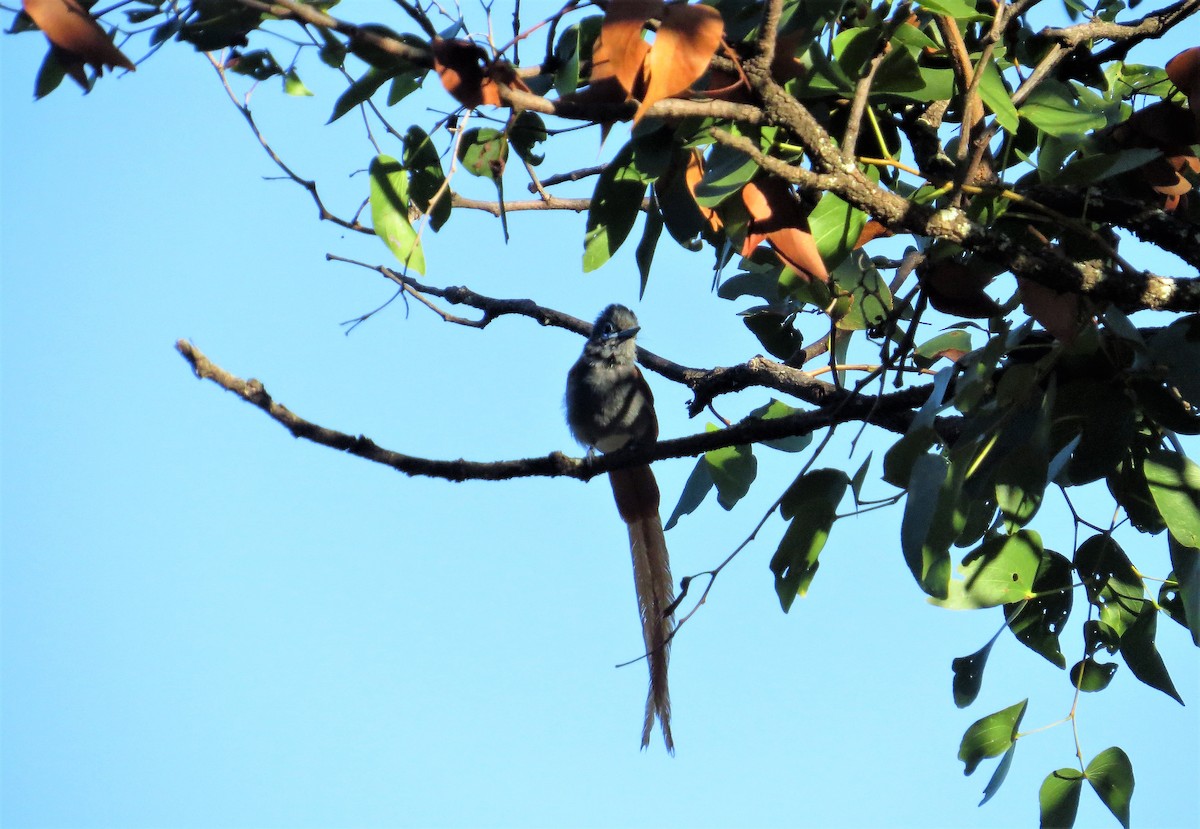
{"x":1185,"y":562}
{"x":868,"y":290}
{"x":566,"y":78}
{"x":926,"y":521}
{"x":1038,"y":621}
{"x":1095,"y":168}
{"x":1111,"y":774}
{"x":726,"y":171}
{"x":694,"y":492}
{"x":1091,"y":676}
{"x":960,"y":10}
{"x":389,"y":212}
{"x":997,"y":98}
{"x":1176,"y":349}
{"x":1111,"y":581}
{"x":999,"y":774}
{"x":835,"y":227}
{"x":526,"y":132}
{"x":1174,"y":482}
{"x":292,"y":85}
{"x":810,"y":504}
{"x":773,"y":411}
{"x":425,"y":177}
{"x":644,"y":253}
{"x":949,"y":344}
{"x":483,"y":152}
{"x":50,"y":75}
{"x":733,"y":469}
{"x":359,"y":92}
{"x":899,"y":460}
{"x":1053,"y":108}
{"x":968,"y":674}
{"x":1142,"y":657}
{"x":1020,"y":481}
{"x":615,"y":205}
{"x":403,"y":85}
{"x":1059,"y":798}
{"x":859,"y":478}
{"x":991,"y":736}
{"x":1000,"y":571}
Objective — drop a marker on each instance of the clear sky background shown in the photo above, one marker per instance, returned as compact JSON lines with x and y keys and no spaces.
{"x":206,"y":623}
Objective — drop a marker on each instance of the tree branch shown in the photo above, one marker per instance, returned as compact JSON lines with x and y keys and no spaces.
{"x":555,"y":464}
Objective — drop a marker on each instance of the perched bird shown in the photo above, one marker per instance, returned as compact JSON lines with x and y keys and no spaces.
{"x":609,"y":407}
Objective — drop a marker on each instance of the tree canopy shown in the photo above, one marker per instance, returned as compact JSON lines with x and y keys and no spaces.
{"x":931,"y":216}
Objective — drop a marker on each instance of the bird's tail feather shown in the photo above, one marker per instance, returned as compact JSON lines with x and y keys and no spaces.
{"x":637,"y":497}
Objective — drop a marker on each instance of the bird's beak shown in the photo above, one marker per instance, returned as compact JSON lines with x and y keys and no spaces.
{"x":623,"y":335}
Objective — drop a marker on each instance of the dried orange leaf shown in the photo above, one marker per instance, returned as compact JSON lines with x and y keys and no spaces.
{"x":693,"y":175}
{"x":777,"y":217}
{"x":1184,"y":70}
{"x":686,"y":41}
{"x":459,"y":64}
{"x":70,"y":27}
{"x":619,"y":51}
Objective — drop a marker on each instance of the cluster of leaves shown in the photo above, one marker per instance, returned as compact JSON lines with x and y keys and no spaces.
{"x":787,"y":152}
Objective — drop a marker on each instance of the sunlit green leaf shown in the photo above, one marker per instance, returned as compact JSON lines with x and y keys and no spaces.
{"x":1111,"y":774}
{"x":991,"y":736}
{"x":958,"y":9}
{"x":389,"y":212}
{"x":483,"y":152}
{"x":1052,"y":108}
{"x":998,"y":98}
{"x":1038,"y":621}
{"x":1174,"y":482}
{"x":835,"y":227}
{"x":733,"y":469}
{"x":773,"y":411}
{"x":617,"y":199}
{"x":292,"y":85}
{"x":1000,"y":571}
{"x":1059,"y":798}
{"x":868,"y":290}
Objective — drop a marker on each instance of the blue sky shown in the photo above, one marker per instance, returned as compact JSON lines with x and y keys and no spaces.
{"x":207,"y":623}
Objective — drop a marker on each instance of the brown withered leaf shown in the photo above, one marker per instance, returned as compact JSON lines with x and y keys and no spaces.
{"x":873,"y":229}
{"x":620,"y":51}
{"x":953,"y":288}
{"x":460,"y":66}
{"x":1060,"y":314}
{"x":687,"y":39}
{"x":1184,"y":70}
{"x":1165,"y":126}
{"x":693,"y":175}
{"x":77,"y":36}
{"x":777,"y":218}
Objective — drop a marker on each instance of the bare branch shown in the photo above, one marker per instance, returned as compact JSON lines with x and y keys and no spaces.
{"x":555,"y":464}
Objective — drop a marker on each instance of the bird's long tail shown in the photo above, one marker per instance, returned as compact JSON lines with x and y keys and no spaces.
{"x":637,"y":497}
